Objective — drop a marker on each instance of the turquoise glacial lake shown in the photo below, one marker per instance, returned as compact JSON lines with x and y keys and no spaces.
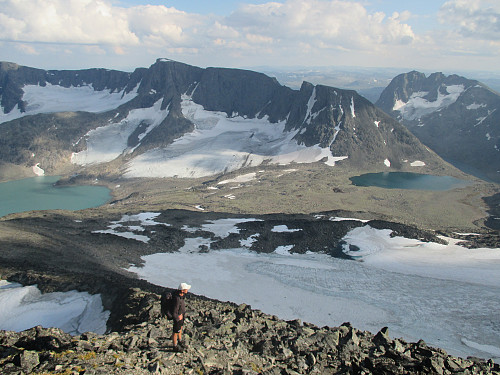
{"x":40,"y":193}
{"x":408,"y":180}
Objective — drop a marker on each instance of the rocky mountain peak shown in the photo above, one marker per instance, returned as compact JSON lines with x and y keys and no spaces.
{"x":403,"y":86}
{"x":150,"y":108}
{"x":454,"y":116}
{"x":239,"y":92}
{"x":6,"y":66}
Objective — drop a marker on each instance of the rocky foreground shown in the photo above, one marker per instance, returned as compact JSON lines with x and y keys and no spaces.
{"x":222,"y":338}
{"x":60,"y":253}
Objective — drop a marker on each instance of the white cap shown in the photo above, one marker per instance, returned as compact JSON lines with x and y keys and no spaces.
{"x":183,"y":286}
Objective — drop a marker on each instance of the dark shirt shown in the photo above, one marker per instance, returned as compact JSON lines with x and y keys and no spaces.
{"x":179,"y":307}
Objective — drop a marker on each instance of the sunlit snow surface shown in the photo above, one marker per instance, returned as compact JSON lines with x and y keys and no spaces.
{"x":417,"y":106}
{"x":131,"y":226}
{"x":223,"y":144}
{"x":54,"y":98}
{"x":108,"y":142}
{"x":447,"y":295}
{"x":74,"y":312}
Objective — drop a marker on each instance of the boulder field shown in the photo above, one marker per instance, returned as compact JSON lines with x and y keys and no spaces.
{"x":222,"y":338}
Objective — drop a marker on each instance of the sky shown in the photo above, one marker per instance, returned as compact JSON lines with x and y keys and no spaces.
{"x":433,"y":35}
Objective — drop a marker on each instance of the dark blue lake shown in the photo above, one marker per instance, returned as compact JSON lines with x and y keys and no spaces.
{"x":39,"y":193}
{"x":408,"y":180}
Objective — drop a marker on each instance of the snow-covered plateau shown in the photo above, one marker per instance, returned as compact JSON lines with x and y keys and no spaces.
{"x":54,"y":98}
{"x":445,"y":294}
{"x":74,"y":312}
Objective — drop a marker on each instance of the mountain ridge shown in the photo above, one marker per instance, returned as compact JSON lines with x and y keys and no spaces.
{"x":456,"y":117}
{"x":318,"y":121}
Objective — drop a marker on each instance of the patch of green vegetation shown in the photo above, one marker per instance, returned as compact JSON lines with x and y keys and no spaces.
{"x":87,"y":356}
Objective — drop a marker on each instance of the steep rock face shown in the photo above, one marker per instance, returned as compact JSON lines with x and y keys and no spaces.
{"x":456,"y":117}
{"x":352,"y":126}
{"x":135,"y":119}
{"x":243,"y":93}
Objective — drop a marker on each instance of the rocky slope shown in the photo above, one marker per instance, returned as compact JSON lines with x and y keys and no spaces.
{"x":456,"y":117}
{"x":99,"y":248}
{"x":73,"y":120}
{"x":222,"y":338}
{"x":58,"y":253}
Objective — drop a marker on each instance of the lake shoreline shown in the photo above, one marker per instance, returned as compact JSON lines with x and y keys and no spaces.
{"x":35,"y":244}
{"x":44,"y":193}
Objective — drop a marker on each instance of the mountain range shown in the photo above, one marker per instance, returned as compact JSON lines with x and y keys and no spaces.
{"x":177,"y":120}
{"x":456,"y":117}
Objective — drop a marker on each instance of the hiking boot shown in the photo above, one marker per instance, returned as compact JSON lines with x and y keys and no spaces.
{"x":178,"y":349}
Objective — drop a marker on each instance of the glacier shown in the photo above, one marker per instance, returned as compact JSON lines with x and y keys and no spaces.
{"x":106,"y":143}
{"x":74,"y":312}
{"x":417,"y":106}
{"x":221,"y":144}
{"x":54,"y":98}
{"x":445,"y":294}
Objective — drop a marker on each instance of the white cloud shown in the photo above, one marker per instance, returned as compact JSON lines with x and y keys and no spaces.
{"x":65,"y":21}
{"x":94,"y":50}
{"x":27,"y":49}
{"x":295,"y":32}
{"x":473,"y":19}
{"x":472,"y":32}
{"x":157,"y":25}
{"x":331,"y":24}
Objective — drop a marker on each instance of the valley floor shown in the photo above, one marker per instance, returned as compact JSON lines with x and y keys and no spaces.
{"x":63,"y":250}
{"x":310,"y":188}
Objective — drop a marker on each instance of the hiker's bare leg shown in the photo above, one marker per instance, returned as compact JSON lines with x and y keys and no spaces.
{"x":175,"y":338}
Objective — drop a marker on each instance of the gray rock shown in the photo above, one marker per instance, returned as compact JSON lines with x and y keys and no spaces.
{"x":28,"y":360}
{"x":268,"y":346}
{"x":382,"y":338}
{"x":340,"y":119}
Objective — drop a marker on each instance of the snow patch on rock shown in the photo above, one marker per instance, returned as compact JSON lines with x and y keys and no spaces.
{"x":106,"y":143}
{"x":417,"y":106}
{"x":221,"y":144}
{"x":54,"y":98}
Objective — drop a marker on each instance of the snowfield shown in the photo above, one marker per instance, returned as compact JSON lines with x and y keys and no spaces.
{"x":239,"y":179}
{"x":417,"y":106}
{"x":445,"y":294}
{"x":121,"y":228}
{"x":108,"y":142}
{"x":73,"y":312}
{"x":221,"y":144}
{"x":54,"y":98}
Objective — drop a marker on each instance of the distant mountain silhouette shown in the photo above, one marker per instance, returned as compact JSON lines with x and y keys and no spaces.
{"x":456,"y":117}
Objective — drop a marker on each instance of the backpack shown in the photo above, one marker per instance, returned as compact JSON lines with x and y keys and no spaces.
{"x":167,"y":304}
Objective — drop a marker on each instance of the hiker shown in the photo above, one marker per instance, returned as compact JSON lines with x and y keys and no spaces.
{"x":178,"y":312}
